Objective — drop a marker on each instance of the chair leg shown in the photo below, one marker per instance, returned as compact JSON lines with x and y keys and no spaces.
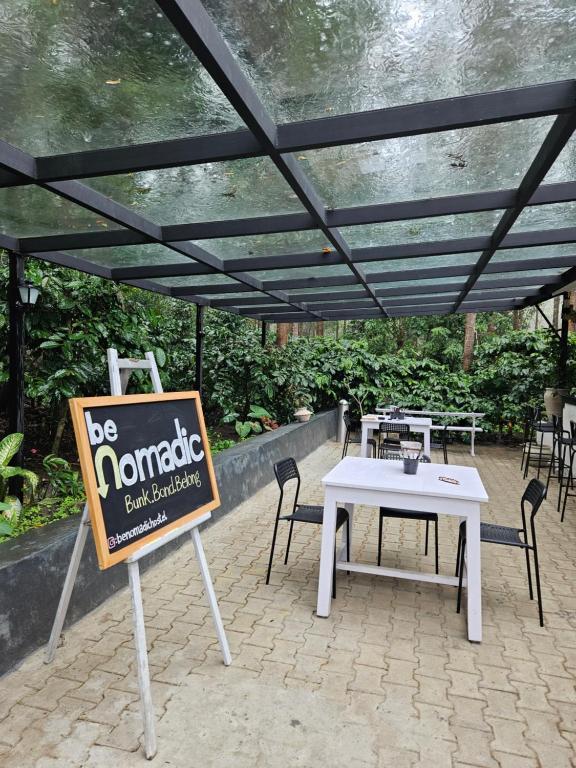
{"x":272,"y":551}
{"x":552,"y":461}
{"x":289,"y":541}
{"x":380,"y":539}
{"x":461,"y":568}
{"x":457,"y":569}
{"x":334,"y":578}
{"x":540,"y":455}
{"x":529,"y":574}
{"x":436,"y":542}
{"x":426,"y":538}
{"x":538,"y":589}
{"x":569,"y":481}
{"x":348,"y":543}
{"x":529,"y":453}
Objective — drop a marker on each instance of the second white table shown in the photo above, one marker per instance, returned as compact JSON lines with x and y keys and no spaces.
{"x":371,"y":423}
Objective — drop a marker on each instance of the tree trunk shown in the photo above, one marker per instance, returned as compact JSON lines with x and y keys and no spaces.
{"x":556,"y":312}
{"x":320,"y":328}
{"x":295,"y":329}
{"x":571,"y":302}
{"x":282,"y":331}
{"x":516,"y":319}
{"x":60,"y":426}
{"x":469,"y":333}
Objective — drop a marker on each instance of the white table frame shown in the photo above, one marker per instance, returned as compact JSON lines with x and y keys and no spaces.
{"x":455,"y":414}
{"x":346,"y":490}
{"x":371,"y":423}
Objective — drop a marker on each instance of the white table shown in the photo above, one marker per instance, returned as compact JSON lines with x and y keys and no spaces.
{"x":371,"y":423}
{"x":376,"y":483}
{"x":454,"y":414}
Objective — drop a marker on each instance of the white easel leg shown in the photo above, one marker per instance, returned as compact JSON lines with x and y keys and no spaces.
{"x":68,"y":586}
{"x":209,"y":587}
{"x":146,"y":705}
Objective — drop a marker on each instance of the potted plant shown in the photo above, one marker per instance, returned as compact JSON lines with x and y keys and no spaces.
{"x":302,"y":412}
{"x":10,"y":506}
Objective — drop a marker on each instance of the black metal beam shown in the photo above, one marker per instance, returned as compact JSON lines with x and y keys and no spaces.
{"x":199,"y":352}
{"x":429,"y":117}
{"x":553,"y":144}
{"x":16,"y":343}
{"x":387,"y":123}
{"x":197,"y":29}
{"x":291,"y":222}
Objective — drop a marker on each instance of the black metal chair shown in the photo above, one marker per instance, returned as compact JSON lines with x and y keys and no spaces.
{"x":534,"y":495}
{"x":561,"y":440}
{"x":390,"y":444}
{"x":285,"y":471}
{"x":439,"y":439}
{"x":355,"y":440}
{"x":568,"y":486}
{"x":403,"y":514}
{"x":541,"y":427}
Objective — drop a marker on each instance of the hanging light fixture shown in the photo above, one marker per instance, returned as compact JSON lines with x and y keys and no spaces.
{"x":28,"y":293}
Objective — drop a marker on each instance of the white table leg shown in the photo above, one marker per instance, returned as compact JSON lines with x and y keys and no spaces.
{"x":364,"y":441}
{"x":474,"y":576}
{"x":327,"y":556}
{"x":426,"y":441}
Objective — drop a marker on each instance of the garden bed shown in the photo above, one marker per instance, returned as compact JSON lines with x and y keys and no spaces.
{"x":33,"y":566}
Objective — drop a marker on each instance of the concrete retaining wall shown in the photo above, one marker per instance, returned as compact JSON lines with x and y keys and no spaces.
{"x":33,"y":566}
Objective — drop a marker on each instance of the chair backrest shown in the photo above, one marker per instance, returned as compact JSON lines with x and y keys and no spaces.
{"x":347,"y":419}
{"x":285,"y":471}
{"x":573,"y":430}
{"x":395,"y":427}
{"x":425,"y":459}
{"x":534,"y":494}
{"x":395,"y":456}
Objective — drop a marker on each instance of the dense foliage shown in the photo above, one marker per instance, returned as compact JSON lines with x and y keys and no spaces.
{"x":411,"y":361}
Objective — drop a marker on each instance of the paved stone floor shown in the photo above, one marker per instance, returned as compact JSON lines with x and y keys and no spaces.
{"x":388,"y":680}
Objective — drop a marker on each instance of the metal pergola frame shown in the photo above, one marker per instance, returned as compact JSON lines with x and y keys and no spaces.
{"x":274,"y":300}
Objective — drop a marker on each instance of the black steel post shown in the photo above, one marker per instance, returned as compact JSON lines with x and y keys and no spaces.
{"x":199,"y":346}
{"x":264,"y":330}
{"x":16,"y":361}
{"x":563,"y":356}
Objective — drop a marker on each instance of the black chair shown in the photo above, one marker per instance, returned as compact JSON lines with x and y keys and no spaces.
{"x":542,"y":427}
{"x":568,"y":486}
{"x":285,"y":471}
{"x":403,"y":514}
{"x":355,"y":440}
{"x":561,"y":441}
{"x":439,"y":439}
{"x":534,"y":495}
{"x":387,"y":443}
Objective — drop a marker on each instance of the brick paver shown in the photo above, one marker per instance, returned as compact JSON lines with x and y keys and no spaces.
{"x":389,"y":680}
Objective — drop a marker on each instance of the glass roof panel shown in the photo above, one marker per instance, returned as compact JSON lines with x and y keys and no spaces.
{"x":422,"y":230}
{"x":312,"y":59}
{"x":207,"y":192}
{"x":267,"y":245}
{"x":451,"y":162}
{"x":303,"y":272}
{"x":77,"y":75}
{"x":132,"y":255}
{"x":564,"y":169}
{"x":536,"y":252}
{"x":439,"y":283}
{"x":327,"y":290}
{"x":426,"y":262}
{"x":214,"y":279}
{"x":31,"y":211}
{"x":521,"y":274}
{"x":555,"y":215}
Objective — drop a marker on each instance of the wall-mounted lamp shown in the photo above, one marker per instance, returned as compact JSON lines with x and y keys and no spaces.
{"x":28,"y":293}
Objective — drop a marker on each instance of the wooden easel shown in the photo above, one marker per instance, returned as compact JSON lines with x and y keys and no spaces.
{"x":120,"y":370}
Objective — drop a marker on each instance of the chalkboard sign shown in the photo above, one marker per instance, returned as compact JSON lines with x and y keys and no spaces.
{"x":146,"y":467}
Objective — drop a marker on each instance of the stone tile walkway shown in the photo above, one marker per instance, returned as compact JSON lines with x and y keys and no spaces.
{"x":388,"y":680}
